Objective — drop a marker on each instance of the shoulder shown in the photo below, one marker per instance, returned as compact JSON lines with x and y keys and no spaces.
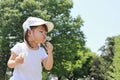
{"x":18,"y":44}
{"x":17,"y":48}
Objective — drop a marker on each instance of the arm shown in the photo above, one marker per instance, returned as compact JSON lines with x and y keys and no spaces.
{"x":48,"y":62}
{"x":14,"y":60}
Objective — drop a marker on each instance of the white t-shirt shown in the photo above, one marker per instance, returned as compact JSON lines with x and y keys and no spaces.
{"x":31,"y":69}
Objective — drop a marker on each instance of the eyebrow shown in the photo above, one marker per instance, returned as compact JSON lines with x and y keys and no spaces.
{"x":43,"y":31}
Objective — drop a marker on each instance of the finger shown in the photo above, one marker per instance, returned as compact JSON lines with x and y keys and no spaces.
{"x":19,"y":59}
{"x":48,"y":44}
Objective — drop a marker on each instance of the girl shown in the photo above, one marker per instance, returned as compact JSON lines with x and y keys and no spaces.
{"x":27,"y":57}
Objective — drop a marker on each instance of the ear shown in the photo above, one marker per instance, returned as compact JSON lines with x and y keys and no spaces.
{"x":29,"y":32}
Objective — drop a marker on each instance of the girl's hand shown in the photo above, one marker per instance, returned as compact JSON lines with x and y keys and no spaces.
{"x":19,"y":59}
{"x":49,"y":47}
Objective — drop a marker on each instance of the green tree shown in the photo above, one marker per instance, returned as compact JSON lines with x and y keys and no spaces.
{"x":116,"y":69}
{"x":102,"y":65}
{"x":67,"y":36}
{"x":69,"y":41}
{"x":83,"y":64}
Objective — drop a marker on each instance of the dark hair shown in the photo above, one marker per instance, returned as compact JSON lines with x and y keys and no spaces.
{"x":46,"y":29}
{"x":32,"y":27}
{"x":26,"y":38}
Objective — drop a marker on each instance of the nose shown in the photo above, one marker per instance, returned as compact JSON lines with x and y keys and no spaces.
{"x":44,"y":35}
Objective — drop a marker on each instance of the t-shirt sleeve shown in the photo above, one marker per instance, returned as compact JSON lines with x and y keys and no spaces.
{"x":16,"y":49}
{"x":44,"y":54}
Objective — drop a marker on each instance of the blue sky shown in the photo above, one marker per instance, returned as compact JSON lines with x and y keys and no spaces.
{"x":101,"y":20}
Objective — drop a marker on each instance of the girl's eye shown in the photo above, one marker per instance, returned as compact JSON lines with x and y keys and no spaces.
{"x":43,"y":32}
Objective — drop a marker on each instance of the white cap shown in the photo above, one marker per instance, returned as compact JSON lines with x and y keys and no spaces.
{"x":34,"y":21}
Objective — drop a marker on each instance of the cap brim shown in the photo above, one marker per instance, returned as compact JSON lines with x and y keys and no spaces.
{"x":50,"y":26}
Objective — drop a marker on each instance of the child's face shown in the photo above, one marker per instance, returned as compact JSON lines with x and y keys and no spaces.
{"x":39,"y":34}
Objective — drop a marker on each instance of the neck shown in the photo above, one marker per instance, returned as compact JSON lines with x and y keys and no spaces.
{"x":32,"y":45}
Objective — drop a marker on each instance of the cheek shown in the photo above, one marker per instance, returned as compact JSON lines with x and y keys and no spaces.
{"x":39,"y":36}
{"x":43,"y":37}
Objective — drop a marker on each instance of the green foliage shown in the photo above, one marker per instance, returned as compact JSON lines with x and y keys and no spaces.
{"x":102,"y":66}
{"x":84,"y":63}
{"x":116,"y":69}
{"x":68,"y":40}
